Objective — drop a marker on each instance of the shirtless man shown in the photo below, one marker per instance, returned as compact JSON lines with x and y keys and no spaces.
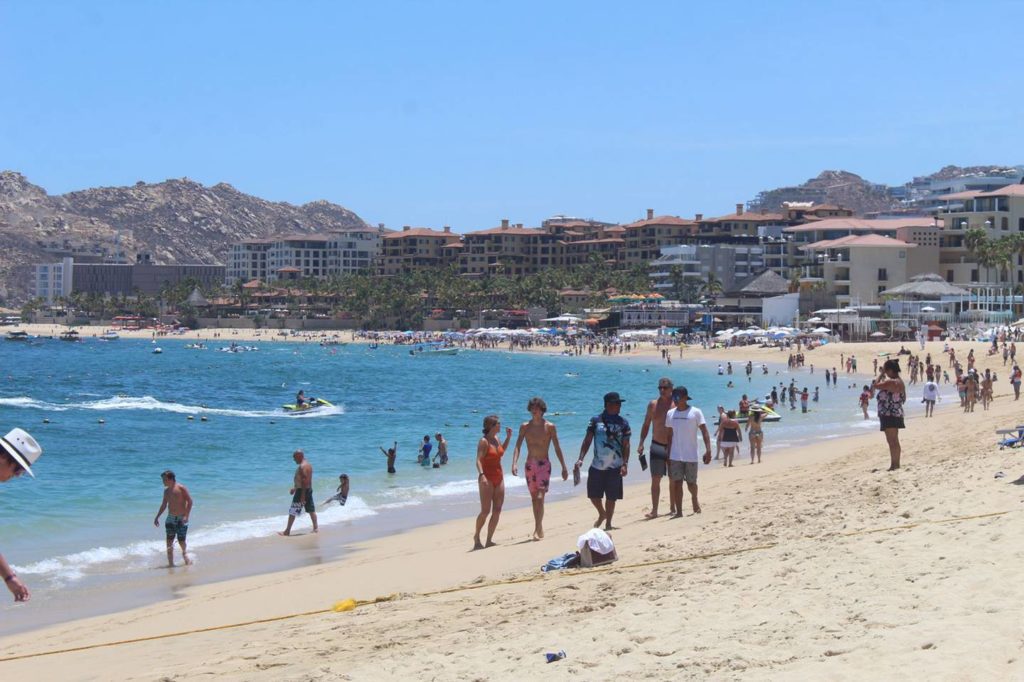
{"x":656,"y":411}
{"x":391,"y":453}
{"x":539,"y":435}
{"x":178,"y":504}
{"x":302,"y":492}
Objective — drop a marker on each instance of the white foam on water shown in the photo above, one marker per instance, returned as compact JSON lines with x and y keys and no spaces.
{"x":152,"y":404}
{"x":71,"y":567}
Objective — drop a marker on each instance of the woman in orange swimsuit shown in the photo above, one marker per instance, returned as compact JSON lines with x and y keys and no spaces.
{"x":491,"y":480}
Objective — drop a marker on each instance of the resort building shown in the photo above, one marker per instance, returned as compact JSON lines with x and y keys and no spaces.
{"x":739,"y":224}
{"x":644,"y":239}
{"x":999,"y":213}
{"x":509,"y":249}
{"x":305,"y":256}
{"x":54,"y":280}
{"x":414,"y":248}
{"x":729,"y":264}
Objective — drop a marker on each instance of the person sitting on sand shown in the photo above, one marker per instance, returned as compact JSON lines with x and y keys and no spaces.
{"x":490,"y":479}
{"x":178,"y":504}
{"x":539,"y":435}
{"x":609,"y":433}
{"x":341,"y":494}
{"x":391,"y":453}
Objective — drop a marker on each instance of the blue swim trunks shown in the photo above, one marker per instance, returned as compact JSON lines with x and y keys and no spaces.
{"x":174,"y":527}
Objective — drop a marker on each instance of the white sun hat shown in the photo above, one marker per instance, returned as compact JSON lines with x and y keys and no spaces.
{"x":23,"y":448}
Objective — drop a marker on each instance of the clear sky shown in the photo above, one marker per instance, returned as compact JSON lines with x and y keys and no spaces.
{"x":463,"y":113}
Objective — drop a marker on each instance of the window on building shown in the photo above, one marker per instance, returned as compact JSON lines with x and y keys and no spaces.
{"x":949,"y":276}
{"x":1004,"y":223}
{"x":882,"y":275}
{"x":974,"y":275}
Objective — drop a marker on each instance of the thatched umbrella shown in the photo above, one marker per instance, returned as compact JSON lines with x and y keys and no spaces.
{"x":926,"y":286}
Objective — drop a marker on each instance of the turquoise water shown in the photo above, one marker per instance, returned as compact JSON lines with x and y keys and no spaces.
{"x":98,"y":485}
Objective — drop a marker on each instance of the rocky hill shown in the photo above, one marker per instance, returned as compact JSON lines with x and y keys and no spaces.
{"x":176,"y":221}
{"x":841,"y":188}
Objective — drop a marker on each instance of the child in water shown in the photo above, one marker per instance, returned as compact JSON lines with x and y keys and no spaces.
{"x":341,"y":495}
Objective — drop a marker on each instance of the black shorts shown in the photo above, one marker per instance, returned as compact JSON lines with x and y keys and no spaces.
{"x":606,"y":483}
{"x":890,"y":423}
{"x":297,"y":499}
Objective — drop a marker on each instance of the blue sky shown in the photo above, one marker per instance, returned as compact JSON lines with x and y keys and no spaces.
{"x":463,"y":113}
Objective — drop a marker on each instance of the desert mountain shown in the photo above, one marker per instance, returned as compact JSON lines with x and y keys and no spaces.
{"x":176,"y":221}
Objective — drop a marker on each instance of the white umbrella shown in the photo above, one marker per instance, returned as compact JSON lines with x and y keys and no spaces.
{"x":878,"y":334}
{"x":927,"y":309}
{"x":815,"y":320}
{"x":822,"y":330}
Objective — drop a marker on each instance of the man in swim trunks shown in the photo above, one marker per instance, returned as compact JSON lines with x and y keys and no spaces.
{"x":178,"y":504}
{"x":302,"y":492}
{"x":442,"y":449}
{"x":656,"y":411}
{"x":391,"y":453}
{"x":539,"y":435}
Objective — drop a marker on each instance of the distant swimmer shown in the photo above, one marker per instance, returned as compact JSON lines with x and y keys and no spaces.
{"x":341,"y":494}
{"x":539,"y":435}
{"x":442,"y":450}
{"x":391,"y":453}
{"x":178,"y":504}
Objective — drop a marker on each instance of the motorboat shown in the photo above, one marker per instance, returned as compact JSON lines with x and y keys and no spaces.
{"x":17,"y":335}
{"x":235,"y":348}
{"x":109,"y":336}
{"x":71,"y":335}
{"x":770,"y":415}
{"x":158,"y":350}
{"x":311,"y":404}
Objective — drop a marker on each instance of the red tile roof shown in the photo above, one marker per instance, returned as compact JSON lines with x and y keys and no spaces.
{"x":1008,"y":191}
{"x":421,"y":232}
{"x":858,"y":240}
{"x":520,"y":231}
{"x":747,"y":216}
{"x":862,"y":224}
{"x":660,"y":220}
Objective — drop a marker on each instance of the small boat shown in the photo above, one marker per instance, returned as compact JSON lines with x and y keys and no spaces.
{"x":235,"y":348}
{"x":373,"y":346}
{"x":70,"y":336}
{"x":109,"y":336}
{"x":311,"y":404}
{"x":433,"y":349}
{"x":195,"y":346}
{"x":333,"y":342}
{"x":17,"y":336}
{"x":157,"y":350}
{"x":770,"y":415}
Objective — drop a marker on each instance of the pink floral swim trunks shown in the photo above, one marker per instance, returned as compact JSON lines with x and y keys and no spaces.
{"x":538,"y":475}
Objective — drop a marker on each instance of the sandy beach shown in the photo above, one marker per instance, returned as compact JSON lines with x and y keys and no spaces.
{"x":817,"y":563}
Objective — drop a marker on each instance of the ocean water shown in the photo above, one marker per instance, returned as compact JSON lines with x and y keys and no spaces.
{"x":90,"y":510}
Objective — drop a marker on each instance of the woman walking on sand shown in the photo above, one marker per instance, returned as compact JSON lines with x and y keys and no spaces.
{"x":490,"y":478}
{"x":891,"y":394}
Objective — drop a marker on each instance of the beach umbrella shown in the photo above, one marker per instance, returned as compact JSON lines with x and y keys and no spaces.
{"x":878,"y":335}
{"x":927,"y":309}
{"x":822,"y":330}
{"x":815,"y":320}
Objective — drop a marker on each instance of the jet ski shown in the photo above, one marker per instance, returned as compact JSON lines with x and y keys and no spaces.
{"x":311,"y":404}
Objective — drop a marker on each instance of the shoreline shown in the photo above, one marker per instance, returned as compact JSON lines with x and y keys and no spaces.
{"x":425,"y":558}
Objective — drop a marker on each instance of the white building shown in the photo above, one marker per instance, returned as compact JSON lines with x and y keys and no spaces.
{"x":53,"y":280}
{"x":302,"y":256}
{"x":728,"y":263}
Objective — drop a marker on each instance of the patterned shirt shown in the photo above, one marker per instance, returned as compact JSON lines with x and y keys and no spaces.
{"x":610,"y":432}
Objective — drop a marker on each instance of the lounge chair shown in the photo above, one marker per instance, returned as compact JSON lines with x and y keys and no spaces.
{"x":1014,"y":440}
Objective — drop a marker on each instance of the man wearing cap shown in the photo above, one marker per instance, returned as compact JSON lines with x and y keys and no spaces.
{"x":18,"y":452}
{"x":683,"y":421}
{"x":609,"y":433}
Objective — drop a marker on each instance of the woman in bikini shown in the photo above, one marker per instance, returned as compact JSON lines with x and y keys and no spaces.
{"x":490,"y":478}
{"x":754,"y":433}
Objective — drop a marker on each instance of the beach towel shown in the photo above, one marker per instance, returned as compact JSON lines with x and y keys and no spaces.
{"x":567,"y":560}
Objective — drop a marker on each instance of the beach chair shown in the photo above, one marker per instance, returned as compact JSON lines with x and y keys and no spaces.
{"x":1013,"y":437}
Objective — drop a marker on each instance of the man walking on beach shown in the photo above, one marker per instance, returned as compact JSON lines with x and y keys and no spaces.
{"x":683,"y":421}
{"x":539,"y":435}
{"x":302,"y":492}
{"x":18,"y":452}
{"x":660,"y":439}
{"x":609,"y":433}
{"x":178,"y":504}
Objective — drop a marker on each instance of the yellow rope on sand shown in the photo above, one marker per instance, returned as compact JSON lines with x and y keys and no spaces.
{"x":350,"y":604}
